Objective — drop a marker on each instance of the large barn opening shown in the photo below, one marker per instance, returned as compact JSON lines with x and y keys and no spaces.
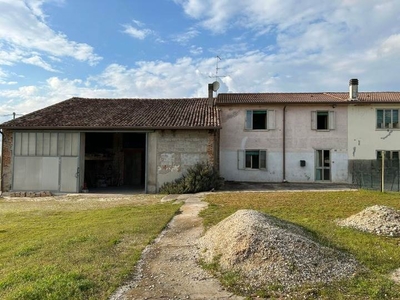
{"x":115,"y":161}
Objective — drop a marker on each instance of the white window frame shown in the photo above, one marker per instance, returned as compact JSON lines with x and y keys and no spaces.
{"x":241,"y":159}
{"x":269,"y":123}
{"x":383,"y":125}
{"x":331,"y":120}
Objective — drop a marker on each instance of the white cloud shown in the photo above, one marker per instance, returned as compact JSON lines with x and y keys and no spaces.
{"x":294,"y":46}
{"x":138,"y":32}
{"x":185,"y":37}
{"x":195,"y":50}
{"x":23,"y":30}
{"x":36,"y":60}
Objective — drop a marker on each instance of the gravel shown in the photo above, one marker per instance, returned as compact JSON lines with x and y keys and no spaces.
{"x":267,"y":251}
{"x":377,"y":219}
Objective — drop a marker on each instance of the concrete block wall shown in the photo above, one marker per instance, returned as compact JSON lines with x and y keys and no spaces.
{"x":172,"y":152}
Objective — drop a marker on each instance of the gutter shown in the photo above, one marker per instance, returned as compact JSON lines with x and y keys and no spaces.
{"x":112,"y":129}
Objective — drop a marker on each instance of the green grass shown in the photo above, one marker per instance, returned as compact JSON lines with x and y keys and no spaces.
{"x":74,"y":249}
{"x":317,"y":212}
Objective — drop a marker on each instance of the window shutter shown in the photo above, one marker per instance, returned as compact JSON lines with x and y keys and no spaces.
{"x":332,"y":120}
{"x":263,"y":159}
{"x":271,"y":119}
{"x":314,"y":120}
{"x":379,"y":118}
{"x":249,"y":119}
{"x":240,"y":159}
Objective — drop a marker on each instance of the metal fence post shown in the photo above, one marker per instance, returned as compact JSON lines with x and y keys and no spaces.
{"x":383,"y":172}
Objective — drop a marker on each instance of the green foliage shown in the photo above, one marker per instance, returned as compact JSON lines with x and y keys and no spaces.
{"x":199,"y":178}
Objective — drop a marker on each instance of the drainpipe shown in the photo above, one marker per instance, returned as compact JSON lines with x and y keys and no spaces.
{"x":284,"y":145}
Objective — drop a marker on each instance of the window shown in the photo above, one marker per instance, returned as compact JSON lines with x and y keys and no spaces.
{"x":46,"y":144}
{"x":323,"y":120}
{"x":387,"y":118}
{"x":260,"y":119}
{"x":390,"y":155}
{"x":252,"y":159}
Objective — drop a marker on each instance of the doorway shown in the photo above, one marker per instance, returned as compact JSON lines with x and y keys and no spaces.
{"x":115,"y":160}
{"x":323,"y":165}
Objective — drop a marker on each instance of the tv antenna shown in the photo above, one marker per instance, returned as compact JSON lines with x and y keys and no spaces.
{"x":217,"y":68}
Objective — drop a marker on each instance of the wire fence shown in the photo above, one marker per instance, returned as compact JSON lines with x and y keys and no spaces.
{"x":367,"y":174}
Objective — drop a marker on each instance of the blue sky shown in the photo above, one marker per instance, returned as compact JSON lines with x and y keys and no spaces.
{"x":51,"y":50}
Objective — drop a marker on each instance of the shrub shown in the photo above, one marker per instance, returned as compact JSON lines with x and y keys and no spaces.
{"x":199,"y":178}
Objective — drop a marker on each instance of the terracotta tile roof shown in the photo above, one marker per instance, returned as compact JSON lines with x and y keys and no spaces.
{"x":83,"y":113}
{"x":303,"y":98}
{"x":371,"y":97}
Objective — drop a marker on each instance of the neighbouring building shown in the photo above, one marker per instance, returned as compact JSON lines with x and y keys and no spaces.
{"x":257,"y":137}
{"x":98,"y":143}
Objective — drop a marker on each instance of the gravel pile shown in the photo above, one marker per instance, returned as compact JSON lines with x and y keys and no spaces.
{"x":377,"y":219}
{"x":266,"y":251}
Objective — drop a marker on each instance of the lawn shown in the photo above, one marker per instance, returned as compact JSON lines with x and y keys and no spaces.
{"x":317,"y":212}
{"x":74,"y":247}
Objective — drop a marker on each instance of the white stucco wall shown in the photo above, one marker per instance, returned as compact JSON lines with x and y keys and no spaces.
{"x":301,"y":144}
{"x":363,"y":137}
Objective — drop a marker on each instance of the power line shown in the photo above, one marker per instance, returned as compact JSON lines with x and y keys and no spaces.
{"x":13,"y":115}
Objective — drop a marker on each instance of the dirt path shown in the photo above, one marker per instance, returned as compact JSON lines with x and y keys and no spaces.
{"x":168,"y":268}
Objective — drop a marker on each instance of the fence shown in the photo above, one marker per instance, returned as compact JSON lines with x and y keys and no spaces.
{"x":367,"y":174}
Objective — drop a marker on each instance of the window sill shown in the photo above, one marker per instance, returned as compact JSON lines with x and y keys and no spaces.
{"x":257,"y":130}
{"x":386,"y":129}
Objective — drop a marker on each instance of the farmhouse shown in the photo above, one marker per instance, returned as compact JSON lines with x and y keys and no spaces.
{"x":101,"y":143}
{"x":259,"y":137}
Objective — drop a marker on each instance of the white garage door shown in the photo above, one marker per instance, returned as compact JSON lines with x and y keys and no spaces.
{"x":46,"y":161}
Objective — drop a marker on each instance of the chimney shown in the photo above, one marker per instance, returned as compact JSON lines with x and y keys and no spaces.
{"x":353,"y":89}
{"x":210,"y":95}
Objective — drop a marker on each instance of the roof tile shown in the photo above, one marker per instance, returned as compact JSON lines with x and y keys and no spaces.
{"x":261,"y":98}
{"x":135,"y":114}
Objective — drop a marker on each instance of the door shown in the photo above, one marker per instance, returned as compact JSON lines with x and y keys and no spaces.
{"x":323,"y":165}
{"x":69,"y":174}
{"x":132,"y":168}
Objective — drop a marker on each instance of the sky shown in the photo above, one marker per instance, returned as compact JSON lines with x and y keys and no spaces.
{"x":52,"y":50}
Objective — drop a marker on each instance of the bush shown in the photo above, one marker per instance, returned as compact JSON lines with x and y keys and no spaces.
{"x":199,"y":178}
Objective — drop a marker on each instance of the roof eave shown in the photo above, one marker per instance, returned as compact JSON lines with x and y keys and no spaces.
{"x":284,"y":102}
{"x":110,"y":128}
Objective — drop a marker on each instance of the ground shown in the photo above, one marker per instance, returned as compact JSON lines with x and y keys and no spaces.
{"x":169,"y":268}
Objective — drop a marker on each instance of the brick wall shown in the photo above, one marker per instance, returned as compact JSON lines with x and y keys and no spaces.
{"x":6,"y":165}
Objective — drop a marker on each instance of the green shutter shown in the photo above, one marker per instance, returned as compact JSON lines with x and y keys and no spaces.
{"x":379,"y":118}
{"x":249,"y":119}
{"x":263,"y":159}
